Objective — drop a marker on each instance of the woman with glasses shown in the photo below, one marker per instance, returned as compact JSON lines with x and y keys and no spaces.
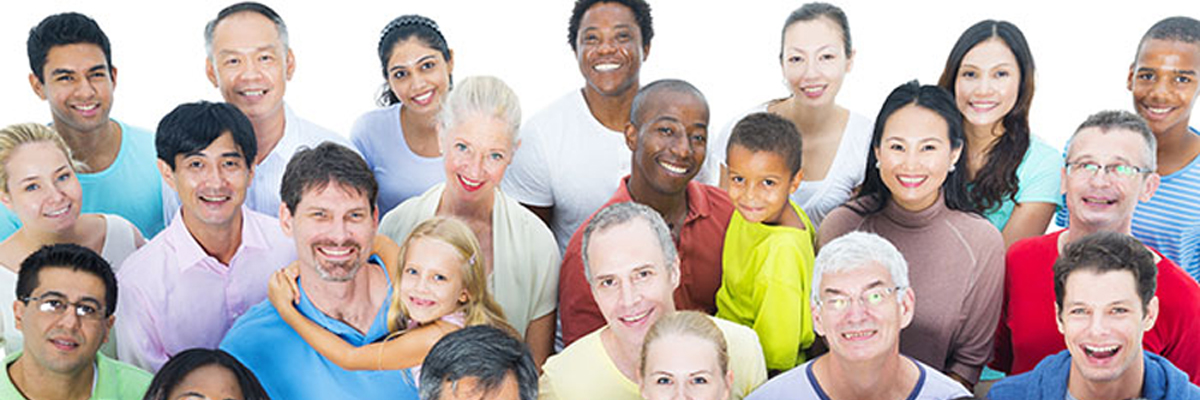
{"x":40,"y":187}
{"x":915,"y":195}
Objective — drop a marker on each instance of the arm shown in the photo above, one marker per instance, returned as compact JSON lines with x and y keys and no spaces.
{"x":404,"y":351}
{"x":546,"y":214}
{"x":539,"y":335}
{"x":1027,"y":220}
{"x":782,"y":319}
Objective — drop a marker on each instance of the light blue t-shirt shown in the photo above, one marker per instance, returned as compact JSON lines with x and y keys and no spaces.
{"x":800,"y":383}
{"x":1170,"y":221}
{"x":401,"y":172}
{"x":131,"y":187}
{"x":1038,"y":179}
{"x":291,"y":369}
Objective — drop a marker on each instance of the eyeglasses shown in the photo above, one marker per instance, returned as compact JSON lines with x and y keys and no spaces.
{"x":57,"y":305}
{"x":1093,"y":169}
{"x":870,"y":298}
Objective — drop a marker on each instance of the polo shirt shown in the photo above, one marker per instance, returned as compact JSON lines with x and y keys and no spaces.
{"x":114,"y":380}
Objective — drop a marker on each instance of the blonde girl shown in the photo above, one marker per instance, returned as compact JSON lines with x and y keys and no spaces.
{"x":685,"y":356}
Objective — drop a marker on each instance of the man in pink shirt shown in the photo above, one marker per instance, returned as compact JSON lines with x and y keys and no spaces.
{"x":185,"y":287}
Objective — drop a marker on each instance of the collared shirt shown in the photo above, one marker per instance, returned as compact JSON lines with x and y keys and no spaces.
{"x":699,"y":245}
{"x":112,"y":380}
{"x":174,"y":296}
{"x":291,"y":369}
{"x":263,"y":193}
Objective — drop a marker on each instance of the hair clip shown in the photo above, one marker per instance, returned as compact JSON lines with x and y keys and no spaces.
{"x":409,"y":20}
{"x":471,"y":261}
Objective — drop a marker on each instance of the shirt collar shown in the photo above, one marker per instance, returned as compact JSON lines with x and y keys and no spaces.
{"x":188,"y":251}
{"x":697,"y":199}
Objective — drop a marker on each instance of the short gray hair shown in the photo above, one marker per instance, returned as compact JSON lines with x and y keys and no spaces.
{"x":1122,"y":120}
{"x":620,"y":214}
{"x":856,"y":250}
{"x":247,"y":6}
{"x":485,"y":96}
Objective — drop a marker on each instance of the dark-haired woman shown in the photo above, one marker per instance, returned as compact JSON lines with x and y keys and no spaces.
{"x":1013,"y":176}
{"x":815,"y":55}
{"x":915,"y":195}
{"x":399,"y":141}
{"x":205,"y":374}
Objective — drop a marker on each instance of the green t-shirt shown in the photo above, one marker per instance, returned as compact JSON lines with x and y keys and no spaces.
{"x":115,"y":380}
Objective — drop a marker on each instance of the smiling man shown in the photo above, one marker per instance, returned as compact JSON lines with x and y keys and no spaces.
{"x":71,"y":62}
{"x":66,"y":295}
{"x":1104,"y":302}
{"x":185,"y":287}
{"x":667,"y":135}
{"x":861,"y":300}
{"x":250,"y":62}
{"x":329,"y":211}
{"x":632,"y":268}
{"x":1109,"y":170}
{"x":573,"y":153}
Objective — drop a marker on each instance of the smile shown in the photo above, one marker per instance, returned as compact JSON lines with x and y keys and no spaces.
{"x":468,"y":184}
{"x":813,"y":91}
{"x":253,"y":93}
{"x":339,"y":252}
{"x":606,"y":67}
{"x":636,"y":319}
{"x":674,"y":169}
{"x":983,"y":106}
{"x":88,"y":107}
{"x":419,"y":302}
{"x":64,"y":344}
{"x":214,"y":199}
{"x":1101,"y":353}
{"x":911,"y":181}
{"x":424,"y":98}
{"x":1099,"y":201}
{"x":859,"y":335}
{"x":58,"y":212}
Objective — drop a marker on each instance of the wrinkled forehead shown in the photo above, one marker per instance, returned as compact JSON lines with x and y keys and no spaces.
{"x":246,"y":31}
{"x":856,"y":279}
{"x":621,"y":249}
{"x":1111,"y":144}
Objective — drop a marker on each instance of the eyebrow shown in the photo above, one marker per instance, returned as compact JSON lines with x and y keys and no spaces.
{"x":419,"y":61}
{"x":64,"y":296}
{"x":872,"y":285}
{"x":245,"y":51}
{"x":1178,"y":71}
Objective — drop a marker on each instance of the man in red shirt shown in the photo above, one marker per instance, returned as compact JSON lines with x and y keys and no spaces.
{"x":668,"y":134}
{"x":1110,"y":168}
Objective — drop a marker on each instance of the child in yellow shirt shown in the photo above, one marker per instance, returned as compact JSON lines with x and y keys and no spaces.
{"x":767,"y":258}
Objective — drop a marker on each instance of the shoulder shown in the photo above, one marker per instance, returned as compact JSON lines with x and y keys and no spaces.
{"x":525,"y":223}
{"x":940,"y":385}
{"x":841,"y":220}
{"x":403,"y":218}
{"x":793,"y":384}
{"x":975,"y":229}
{"x":1040,"y":158}
{"x":738,"y":336}
{"x":120,"y":373}
{"x":584,"y":354}
{"x":718,"y":202}
{"x":247,"y":332}
{"x":566,"y":110}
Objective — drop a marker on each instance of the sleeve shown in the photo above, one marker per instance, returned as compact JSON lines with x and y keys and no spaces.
{"x":1002,"y":356}
{"x":360,"y":138}
{"x":1040,"y":175}
{"x":528,"y":177}
{"x":577,"y":310}
{"x":8,"y":223}
{"x":973,"y":344}
{"x":749,"y":370}
{"x":138,"y":340}
{"x":783,"y":321}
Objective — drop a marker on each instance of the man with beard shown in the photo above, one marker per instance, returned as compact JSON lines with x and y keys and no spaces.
{"x":328,"y":208}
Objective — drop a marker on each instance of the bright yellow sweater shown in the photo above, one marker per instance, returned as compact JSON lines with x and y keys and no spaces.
{"x":767,"y":278}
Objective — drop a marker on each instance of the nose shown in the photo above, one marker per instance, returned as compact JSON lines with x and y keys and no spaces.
{"x":629,"y":295}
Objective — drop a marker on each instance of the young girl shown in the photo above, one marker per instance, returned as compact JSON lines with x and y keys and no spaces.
{"x":441,"y":286}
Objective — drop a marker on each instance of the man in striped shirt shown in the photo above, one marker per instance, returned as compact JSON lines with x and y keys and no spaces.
{"x":1164,"y":82}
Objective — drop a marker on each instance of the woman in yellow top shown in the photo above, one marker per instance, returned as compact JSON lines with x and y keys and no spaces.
{"x":768,"y":255}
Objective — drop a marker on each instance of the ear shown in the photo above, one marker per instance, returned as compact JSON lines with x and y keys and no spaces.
{"x":954,"y":155}
{"x":818,"y":325}
{"x":1062,"y":181}
{"x":796,"y":179}
{"x":1129,"y":78}
{"x":1058,"y":318}
{"x":6,"y":198}
{"x":168,"y":175}
{"x":674,"y":274}
{"x":1149,"y":187}
{"x":1151,"y":315}
{"x":37,"y":86}
{"x":112,"y":76}
{"x":450,"y":63}
{"x":18,"y":313}
{"x":728,"y":383}
{"x":908,"y":306}
{"x":291,"y":64}
{"x":108,"y":325}
{"x":210,"y":71}
{"x":631,"y":136}
{"x":465,"y":297}
{"x":850,"y":60}
{"x":285,"y":219}
{"x":645,"y":52}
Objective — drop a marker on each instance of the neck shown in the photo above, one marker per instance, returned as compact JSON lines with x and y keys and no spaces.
{"x":1176,"y":148}
{"x":268,"y":130}
{"x":350,"y":302}
{"x":811,"y":119}
{"x":96,"y":148}
{"x":219,"y":241}
{"x":890,"y":377}
{"x":672,"y":206}
{"x":1080,"y":229}
{"x":610,"y":111}
{"x":73,"y":234}
{"x":1127,"y":386}
{"x":980,"y":138}
{"x":420,"y":132}
{"x":37,"y":383}
{"x":624,"y":353}
{"x":479,"y":210}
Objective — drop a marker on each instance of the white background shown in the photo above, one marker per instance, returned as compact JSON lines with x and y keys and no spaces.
{"x":728,"y":49}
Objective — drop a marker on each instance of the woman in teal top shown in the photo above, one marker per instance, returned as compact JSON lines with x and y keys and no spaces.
{"x":1014,"y":177}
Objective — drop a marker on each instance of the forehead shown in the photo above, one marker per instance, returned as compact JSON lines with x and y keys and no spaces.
{"x":1095,"y":143}
{"x":245,"y":30}
{"x":36,"y":152}
{"x":411,"y":50}
{"x":332,"y":195}
{"x":988,"y":53}
{"x":856,"y":278}
{"x":819,"y":31}
{"x":219,"y":147}
{"x":916,"y":123}
{"x":682,"y":105}
{"x":482,"y":129}
{"x":471,"y":388}
{"x":1156,"y":52}
{"x":68,"y":281}
{"x":681,"y":352}
{"x":608,"y":14}
{"x":77,"y":56}
{"x":619,"y":249}
{"x":761,"y":162}
{"x":1089,"y":286}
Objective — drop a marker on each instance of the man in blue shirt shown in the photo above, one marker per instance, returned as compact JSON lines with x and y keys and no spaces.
{"x":329,"y":210}
{"x":71,"y":62}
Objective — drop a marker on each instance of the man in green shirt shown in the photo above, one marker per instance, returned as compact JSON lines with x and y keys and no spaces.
{"x":66,"y":296}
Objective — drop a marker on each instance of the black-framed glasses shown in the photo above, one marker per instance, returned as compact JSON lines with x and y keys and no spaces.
{"x":870,"y":298}
{"x":54,"y":304}
{"x":1120,"y":170}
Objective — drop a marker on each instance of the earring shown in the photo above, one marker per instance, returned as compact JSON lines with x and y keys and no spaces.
{"x":952,"y":168}
{"x":876,"y":164}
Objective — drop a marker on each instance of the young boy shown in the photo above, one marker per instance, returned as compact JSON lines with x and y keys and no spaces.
{"x":768,"y":254}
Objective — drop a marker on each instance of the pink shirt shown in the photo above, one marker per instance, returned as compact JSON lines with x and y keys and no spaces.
{"x":173,"y":296}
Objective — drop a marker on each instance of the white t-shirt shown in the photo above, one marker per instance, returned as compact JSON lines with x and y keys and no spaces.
{"x":799,"y":383}
{"x":816,"y":198}
{"x":567,"y":160}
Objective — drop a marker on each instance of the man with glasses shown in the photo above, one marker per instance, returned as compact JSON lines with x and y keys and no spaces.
{"x":861,"y":300}
{"x":1110,"y":167}
{"x":66,"y":295}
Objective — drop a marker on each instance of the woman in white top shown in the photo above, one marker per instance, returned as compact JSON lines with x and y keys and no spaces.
{"x":478,"y":132}
{"x":40,"y":187}
{"x":400,"y":140}
{"x":815,"y":56}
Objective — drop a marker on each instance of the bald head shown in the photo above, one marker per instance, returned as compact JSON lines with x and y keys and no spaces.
{"x":650,"y":94}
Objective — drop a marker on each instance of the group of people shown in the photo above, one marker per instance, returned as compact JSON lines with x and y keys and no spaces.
{"x":606,"y":247}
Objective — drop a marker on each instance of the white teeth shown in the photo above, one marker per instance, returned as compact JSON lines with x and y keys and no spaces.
{"x":856,"y":335}
{"x":469,"y":182}
{"x":606,"y":67}
{"x":1101,"y":349}
{"x":424,"y":96}
{"x":254,"y":92}
{"x":911,"y":180}
{"x":635,"y":318}
{"x":58,"y":212}
{"x":335,"y":252}
{"x":673,"y":169}
{"x":87,"y":107}
{"x":813,"y":89}
{"x":1158,"y":110}
{"x":207,"y":198}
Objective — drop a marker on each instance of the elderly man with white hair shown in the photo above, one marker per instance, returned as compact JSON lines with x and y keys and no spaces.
{"x":861,"y":299}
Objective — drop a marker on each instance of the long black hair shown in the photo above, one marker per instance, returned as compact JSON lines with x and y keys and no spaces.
{"x":932,"y":98}
{"x":998,"y":177}
{"x":400,"y":29}
{"x":179,"y":366}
